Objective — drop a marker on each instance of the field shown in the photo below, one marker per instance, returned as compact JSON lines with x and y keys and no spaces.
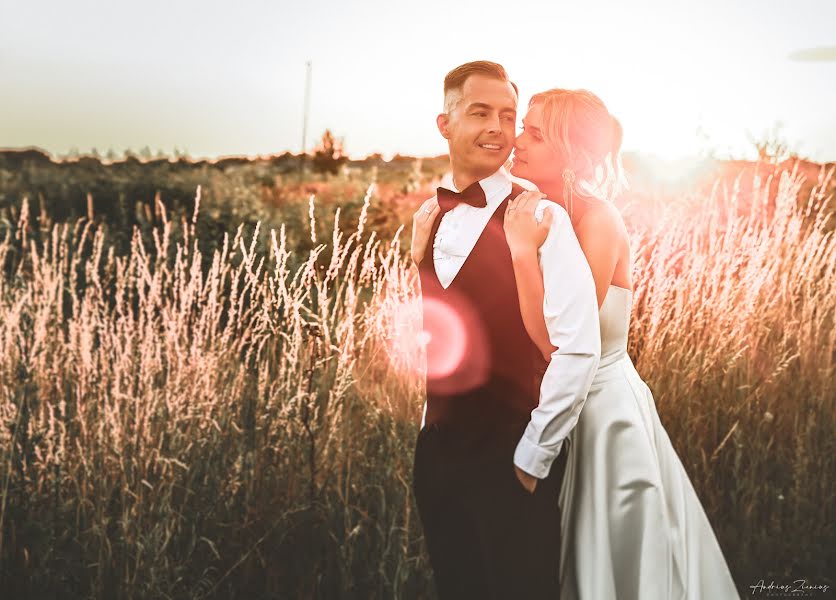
{"x":193,"y":408}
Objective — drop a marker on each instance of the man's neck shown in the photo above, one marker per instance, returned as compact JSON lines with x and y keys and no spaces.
{"x":462,"y":179}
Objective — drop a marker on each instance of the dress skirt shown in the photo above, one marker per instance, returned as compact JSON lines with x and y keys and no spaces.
{"x":633,"y":526}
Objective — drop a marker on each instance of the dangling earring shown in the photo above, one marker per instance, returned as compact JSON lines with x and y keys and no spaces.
{"x":568,"y":192}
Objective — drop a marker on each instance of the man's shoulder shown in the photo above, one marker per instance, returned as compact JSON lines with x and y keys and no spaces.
{"x":560,"y":217}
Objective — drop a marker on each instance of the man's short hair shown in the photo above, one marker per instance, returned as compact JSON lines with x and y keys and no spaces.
{"x":455,"y":79}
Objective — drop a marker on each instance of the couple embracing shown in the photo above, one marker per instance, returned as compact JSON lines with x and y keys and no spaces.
{"x":541,"y":467}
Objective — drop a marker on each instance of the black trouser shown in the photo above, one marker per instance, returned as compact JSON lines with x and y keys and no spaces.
{"x":487,"y":536}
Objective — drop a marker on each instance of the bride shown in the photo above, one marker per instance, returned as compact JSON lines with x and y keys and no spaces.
{"x":633,"y":526}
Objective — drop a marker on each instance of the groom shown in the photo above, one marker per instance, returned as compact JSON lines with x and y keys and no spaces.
{"x":487,"y":472}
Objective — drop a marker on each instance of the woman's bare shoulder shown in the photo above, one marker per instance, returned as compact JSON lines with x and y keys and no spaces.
{"x":601,"y":217}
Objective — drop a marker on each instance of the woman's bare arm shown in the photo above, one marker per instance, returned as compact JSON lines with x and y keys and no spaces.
{"x":530,"y":292}
{"x":525,"y":236}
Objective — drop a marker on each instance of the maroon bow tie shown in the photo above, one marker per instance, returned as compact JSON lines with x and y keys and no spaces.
{"x":473,"y":195}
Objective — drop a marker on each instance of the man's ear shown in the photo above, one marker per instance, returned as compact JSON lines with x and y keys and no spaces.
{"x":443,"y":123}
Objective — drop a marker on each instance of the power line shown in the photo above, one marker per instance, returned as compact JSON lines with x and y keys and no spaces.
{"x":305,"y":118}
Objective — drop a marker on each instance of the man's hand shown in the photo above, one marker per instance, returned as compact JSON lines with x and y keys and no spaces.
{"x":529,"y":482}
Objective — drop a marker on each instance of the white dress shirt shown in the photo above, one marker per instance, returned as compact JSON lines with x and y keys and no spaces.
{"x":570,"y":309}
{"x":460,"y":228}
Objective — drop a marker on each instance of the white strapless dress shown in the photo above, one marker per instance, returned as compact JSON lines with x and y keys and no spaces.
{"x":633,"y":527}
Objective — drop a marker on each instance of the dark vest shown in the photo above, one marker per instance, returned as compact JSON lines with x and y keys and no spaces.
{"x":484,"y":372}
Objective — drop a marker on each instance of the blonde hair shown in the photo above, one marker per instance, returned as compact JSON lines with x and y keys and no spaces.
{"x":578,"y":126}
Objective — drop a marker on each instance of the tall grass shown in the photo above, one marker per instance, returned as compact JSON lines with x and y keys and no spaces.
{"x":733,"y":327}
{"x":247,"y":429}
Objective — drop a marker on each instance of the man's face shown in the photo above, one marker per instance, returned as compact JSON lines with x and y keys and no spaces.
{"x":480,"y":128}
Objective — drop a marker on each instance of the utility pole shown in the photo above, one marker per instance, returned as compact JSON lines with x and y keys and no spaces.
{"x":305,"y":119}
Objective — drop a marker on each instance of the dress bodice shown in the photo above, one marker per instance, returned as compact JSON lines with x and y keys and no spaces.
{"x":615,"y":323}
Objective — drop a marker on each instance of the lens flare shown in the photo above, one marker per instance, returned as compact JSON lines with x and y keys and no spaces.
{"x":446,"y":336}
{"x":450,"y":346}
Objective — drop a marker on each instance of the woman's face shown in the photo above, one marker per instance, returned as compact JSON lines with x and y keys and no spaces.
{"x":534,"y":159}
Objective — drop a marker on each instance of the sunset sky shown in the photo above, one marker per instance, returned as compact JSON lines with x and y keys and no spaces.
{"x":228,"y":78}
